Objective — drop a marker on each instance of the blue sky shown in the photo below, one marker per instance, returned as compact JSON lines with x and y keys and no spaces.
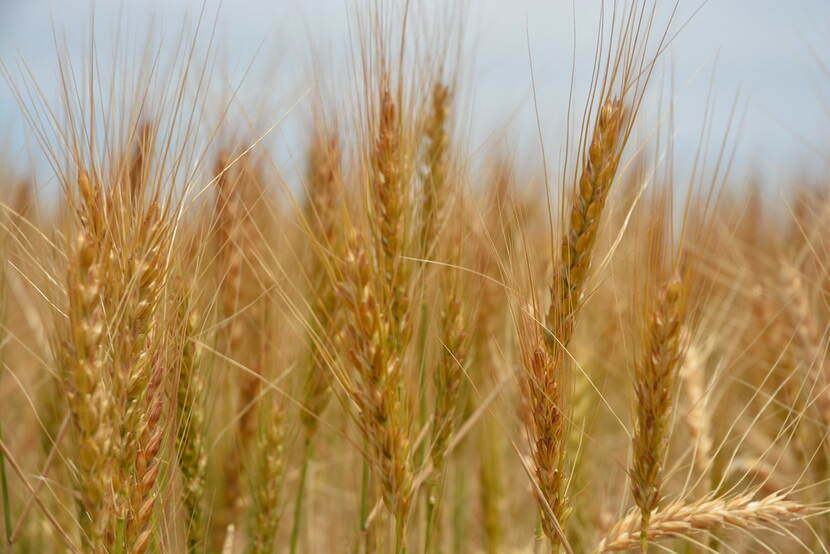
{"x":766,"y":55}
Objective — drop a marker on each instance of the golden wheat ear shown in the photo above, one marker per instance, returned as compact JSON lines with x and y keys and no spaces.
{"x":654,"y":382}
{"x":679,"y":520}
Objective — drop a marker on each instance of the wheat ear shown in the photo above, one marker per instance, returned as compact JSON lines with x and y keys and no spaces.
{"x":375,"y":389}
{"x":654,"y":380}
{"x":679,"y":520}
{"x":598,"y":171}
{"x":435,"y":180}
{"x":324,"y":181}
{"x":190,"y":428}
{"x":89,"y":397}
{"x":324,"y":184}
{"x":270,"y":460}
{"x":692,"y":373}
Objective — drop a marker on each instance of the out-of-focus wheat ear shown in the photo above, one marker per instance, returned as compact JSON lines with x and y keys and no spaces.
{"x":435,"y":165}
{"x":325,"y":182}
{"x":434,"y":201}
{"x":253,"y":296}
{"x":324,"y":194}
{"x":490,"y":312}
{"x":449,"y":378}
{"x":243,"y":300}
{"x":654,"y":382}
{"x":679,"y":520}
{"x":228,"y":215}
{"x":90,"y":401}
{"x":140,"y":160}
{"x":191,"y":426}
{"x":228,"y":219}
{"x":24,"y":201}
{"x":693,"y":375}
{"x":270,"y":473}
{"x":599,"y":167}
{"x":449,"y":371}
{"x":809,"y":338}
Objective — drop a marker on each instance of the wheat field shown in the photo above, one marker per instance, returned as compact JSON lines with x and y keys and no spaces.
{"x":417,"y":346}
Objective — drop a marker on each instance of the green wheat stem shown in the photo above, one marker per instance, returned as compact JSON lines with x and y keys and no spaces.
{"x":298,"y":502}
{"x":7,"y":515}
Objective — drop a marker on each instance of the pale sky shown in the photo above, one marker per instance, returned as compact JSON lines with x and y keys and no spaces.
{"x":767,"y":54}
